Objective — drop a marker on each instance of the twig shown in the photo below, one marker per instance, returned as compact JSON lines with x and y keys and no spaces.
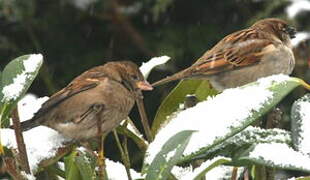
{"x":10,"y":168}
{"x":123,"y":155}
{"x":144,"y":119}
{"x":234,"y":173}
{"x":20,"y":142}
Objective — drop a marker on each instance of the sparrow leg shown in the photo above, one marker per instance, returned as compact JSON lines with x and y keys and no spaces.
{"x":101,"y":159}
{"x":97,"y":108}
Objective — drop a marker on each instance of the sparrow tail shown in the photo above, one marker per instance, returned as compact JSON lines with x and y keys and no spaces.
{"x":29,"y":124}
{"x":180,"y":75}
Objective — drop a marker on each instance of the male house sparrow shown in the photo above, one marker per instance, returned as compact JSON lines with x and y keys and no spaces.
{"x":244,"y":56}
{"x":94,"y":103}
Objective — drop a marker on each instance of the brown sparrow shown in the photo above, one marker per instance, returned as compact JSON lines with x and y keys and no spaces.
{"x":94,"y":103}
{"x":244,"y":56}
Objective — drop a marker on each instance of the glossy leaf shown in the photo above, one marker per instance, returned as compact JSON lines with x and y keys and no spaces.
{"x":177,"y":96}
{"x":300,"y":124}
{"x":16,"y":78}
{"x":170,"y":153}
{"x":279,"y":90}
{"x":288,"y":158}
{"x":86,"y":165}
{"x":214,"y":164}
{"x":72,"y":170}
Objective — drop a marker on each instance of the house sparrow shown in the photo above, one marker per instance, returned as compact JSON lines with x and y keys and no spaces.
{"x":94,"y":103}
{"x":244,"y":56}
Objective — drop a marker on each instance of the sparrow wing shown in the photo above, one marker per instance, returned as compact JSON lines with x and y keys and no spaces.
{"x":239,"y":49}
{"x":84,"y":82}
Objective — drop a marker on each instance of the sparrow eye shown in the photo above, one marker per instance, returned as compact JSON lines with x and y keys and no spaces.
{"x":135,"y":77}
{"x":291,"y":31}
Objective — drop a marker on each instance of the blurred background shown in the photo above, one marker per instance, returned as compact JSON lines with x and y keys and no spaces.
{"x":75,"y":35}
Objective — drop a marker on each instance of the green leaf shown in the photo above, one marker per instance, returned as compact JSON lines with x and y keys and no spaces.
{"x":134,"y":134}
{"x":170,"y":104}
{"x":279,"y":90}
{"x":217,"y":162}
{"x":86,"y":165}
{"x":16,"y":78}
{"x":299,"y":124}
{"x":269,"y":156}
{"x":246,"y":138}
{"x":170,"y":153}
{"x":72,"y":170}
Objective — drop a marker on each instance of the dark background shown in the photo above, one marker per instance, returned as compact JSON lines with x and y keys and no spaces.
{"x":73,"y":39}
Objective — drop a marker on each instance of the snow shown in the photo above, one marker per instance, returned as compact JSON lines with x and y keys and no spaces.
{"x":217,"y":173}
{"x":280,"y":155}
{"x":227,"y":110}
{"x":202,"y":167}
{"x":28,"y":176}
{"x":304,"y":133}
{"x":255,"y":134}
{"x":41,"y":143}
{"x":29,"y":105}
{"x":146,"y":68}
{"x":223,"y":172}
{"x":13,"y":91}
{"x":117,"y":171}
{"x":300,"y":36}
{"x":296,"y":7}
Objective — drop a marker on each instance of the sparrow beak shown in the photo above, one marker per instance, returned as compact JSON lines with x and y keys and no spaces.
{"x":291,"y":31}
{"x":144,"y":85}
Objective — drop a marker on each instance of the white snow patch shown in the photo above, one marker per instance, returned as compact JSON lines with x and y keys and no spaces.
{"x":296,"y":7}
{"x":146,"y":68}
{"x":32,"y":63}
{"x":28,"y":176}
{"x":281,"y":155}
{"x":171,"y":153}
{"x":117,"y":171}
{"x":216,"y":116}
{"x":180,"y":172}
{"x":300,"y":36}
{"x":304,"y":134}
{"x":13,"y":91}
{"x":202,"y":167}
{"x":29,"y":105}
{"x":41,"y":143}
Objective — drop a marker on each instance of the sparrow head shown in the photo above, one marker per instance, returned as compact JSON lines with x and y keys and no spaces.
{"x":128,"y":73}
{"x":278,"y":27}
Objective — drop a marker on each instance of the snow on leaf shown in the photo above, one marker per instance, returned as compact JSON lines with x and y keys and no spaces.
{"x":280,"y":155}
{"x":217,"y":116}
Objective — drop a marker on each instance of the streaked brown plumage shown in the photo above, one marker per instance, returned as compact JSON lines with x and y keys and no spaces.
{"x":102,"y":95}
{"x":244,"y":56}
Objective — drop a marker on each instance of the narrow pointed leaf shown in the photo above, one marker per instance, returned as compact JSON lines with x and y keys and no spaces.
{"x":300,"y":122}
{"x":170,"y":153}
{"x":279,"y":91}
{"x":177,"y":96}
{"x":276,"y":155}
{"x":72,"y":171}
{"x":133,"y":133}
{"x":214,"y":164}
{"x":86,"y":165}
